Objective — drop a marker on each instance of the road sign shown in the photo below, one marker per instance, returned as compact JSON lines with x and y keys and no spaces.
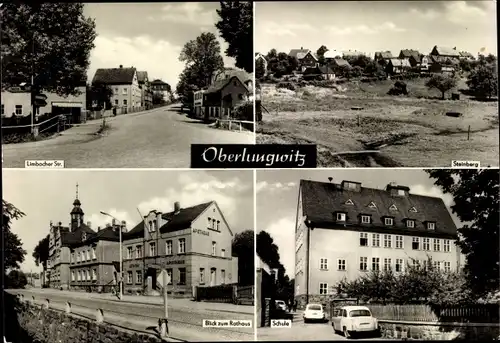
{"x":160,"y":278}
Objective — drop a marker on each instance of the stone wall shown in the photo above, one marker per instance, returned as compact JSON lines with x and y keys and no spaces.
{"x":438,"y":331}
{"x":47,"y":326}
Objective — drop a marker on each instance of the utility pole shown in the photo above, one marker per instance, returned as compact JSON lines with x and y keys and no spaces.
{"x":163,"y":322}
{"x":32,"y":88}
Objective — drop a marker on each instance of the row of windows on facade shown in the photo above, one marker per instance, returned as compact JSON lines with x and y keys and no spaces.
{"x":388,"y":240}
{"x":181,"y":280}
{"x":213,"y":224}
{"x":84,"y":255}
{"x":388,"y":265}
{"x":181,"y":249}
{"x":84,"y":275}
{"x":388,"y":221}
{"x":125,"y":103}
{"x":135,"y":92}
{"x":18,"y":110}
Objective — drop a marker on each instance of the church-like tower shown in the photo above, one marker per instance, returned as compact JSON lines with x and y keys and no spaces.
{"x":76,"y":213}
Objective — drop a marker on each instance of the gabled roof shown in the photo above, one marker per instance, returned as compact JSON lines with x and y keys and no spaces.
{"x":221,"y":84}
{"x":142,"y":76}
{"x":298,"y":53}
{"x":397,"y":62}
{"x":158,"y":82}
{"x":339,"y":62}
{"x":176,"y":222}
{"x":354,"y":53}
{"x":444,"y":51}
{"x":230,"y":72}
{"x":407,"y":53}
{"x":321,"y":199}
{"x":466,"y":54}
{"x":114,"y":76}
{"x":383,"y":54}
{"x":75,"y":237}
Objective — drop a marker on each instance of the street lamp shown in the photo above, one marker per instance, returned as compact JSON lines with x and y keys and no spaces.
{"x":120,"y":282}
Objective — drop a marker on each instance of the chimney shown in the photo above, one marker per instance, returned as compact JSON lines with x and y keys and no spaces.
{"x":121,"y":66}
{"x":59,"y":224}
{"x":124,"y":226}
{"x":158,"y":220}
{"x":330,"y":179}
{"x":113,"y":222}
{"x":301,"y":48}
{"x":177,"y":207}
{"x":89,"y":224}
{"x":98,"y":228}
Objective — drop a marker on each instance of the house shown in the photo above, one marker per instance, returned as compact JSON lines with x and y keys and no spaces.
{"x":338,"y":65}
{"x":397,"y":66}
{"x":345,"y":229}
{"x":299,"y":54}
{"x":160,"y":87}
{"x":383,"y":56}
{"x":146,"y":94}
{"x":443,"y":64}
{"x":325,"y":72}
{"x":124,"y":84}
{"x":17,"y":101}
{"x":413,"y":56}
{"x":445,"y":52}
{"x":309,"y":60}
{"x":261,"y":58}
{"x":198,"y":108}
{"x":425,"y":63}
{"x":192,"y":245}
{"x":464,"y":55}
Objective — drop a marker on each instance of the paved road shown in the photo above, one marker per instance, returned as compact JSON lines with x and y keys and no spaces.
{"x":184,"y":323}
{"x":303,"y":332}
{"x":160,"y":138}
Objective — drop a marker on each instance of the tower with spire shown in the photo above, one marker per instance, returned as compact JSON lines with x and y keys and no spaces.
{"x":76,"y":213}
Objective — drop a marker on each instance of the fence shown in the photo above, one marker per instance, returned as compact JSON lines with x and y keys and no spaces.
{"x":474,"y":313}
{"x":236,"y":124}
{"x":46,"y":123}
{"x":231,"y":293}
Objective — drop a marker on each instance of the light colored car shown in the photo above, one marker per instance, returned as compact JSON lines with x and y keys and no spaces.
{"x":354,"y":319}
{"x":314,"y":312}
{"x":280,"y":305}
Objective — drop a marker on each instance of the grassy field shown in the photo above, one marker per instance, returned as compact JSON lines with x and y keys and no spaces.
{"x":405,"y":131}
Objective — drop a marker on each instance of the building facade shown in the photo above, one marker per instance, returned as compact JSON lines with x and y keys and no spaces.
{"x":345,"y":230}
{"x":144,"y":85}
{"x":192,"y":245}
{"x":125,"y":86}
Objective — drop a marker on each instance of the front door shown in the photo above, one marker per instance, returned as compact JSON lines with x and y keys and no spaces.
{"x":212,"y":277}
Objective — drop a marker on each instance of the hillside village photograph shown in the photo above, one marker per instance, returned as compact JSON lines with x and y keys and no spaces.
{"x":124,"y":256}
{"x":379,"y":84}
{"x":112,"y":85}
{"x":378,"y":254}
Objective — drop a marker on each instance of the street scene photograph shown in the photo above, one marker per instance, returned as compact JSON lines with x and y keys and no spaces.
{"x":128,"y":256}
{"x":373,"y":254}
{"x":379,"y":83}
{"x":124,"y":85}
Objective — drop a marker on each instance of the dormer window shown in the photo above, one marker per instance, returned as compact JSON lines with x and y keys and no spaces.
{"x":401,"y":192}
{"x":393,"y":208}
{"x":431,"y":226}
{"x":413,"y":209}
{"x":410,"y":223}
{"x":365,"y":219}
{"x":349,"y":202}
{"x":341,"y":217}
{"x":388,"y":221}
{"x":372,"y":205}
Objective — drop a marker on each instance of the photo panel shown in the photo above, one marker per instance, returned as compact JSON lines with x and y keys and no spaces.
{"x":165,"y":254}
{"x":137,"y":97}
{"x":377,"y":254}
{"x":380,"y":84}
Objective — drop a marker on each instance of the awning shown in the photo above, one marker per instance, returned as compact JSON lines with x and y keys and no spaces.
{"x":67,"y":104}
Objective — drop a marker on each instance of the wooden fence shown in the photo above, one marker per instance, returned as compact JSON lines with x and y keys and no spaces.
{"x":475,"y":313}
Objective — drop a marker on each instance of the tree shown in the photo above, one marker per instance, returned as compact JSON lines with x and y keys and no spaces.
{"x":100,"y":94}
{"x":12,"y":245}
{"x":321,"y":54}
{"x":260,"y":69}
{"x":16,"y":279}
{"x":243,"y":248}
{"x":360,"y":61}
{"x":281,"y":63}
{"x":158,"y":97}
{"x":475,"y":193}
{"x":442,"y":83}
{"x":41,"y":254}
{"x":267,"y":250}
{"x":236,"y":28}
{"x":189,"y":82}
{"x":50,"y":41}
{"x":483,"y":81}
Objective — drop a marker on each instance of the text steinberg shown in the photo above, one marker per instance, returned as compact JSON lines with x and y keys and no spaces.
{"x":212,"y":154}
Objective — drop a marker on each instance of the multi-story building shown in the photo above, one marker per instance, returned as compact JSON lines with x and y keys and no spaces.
{"x":192,"y":245}
{"x":344,"y":230}
{"x":146,"y":94}
{"x":160,"y":87}
{"x":124,"y":84}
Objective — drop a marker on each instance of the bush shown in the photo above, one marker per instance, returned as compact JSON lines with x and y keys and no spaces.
{"x":15,"y":280}
{"x":483,"y":81}
{"x":399,"y":88}
{"x":287,"y":85}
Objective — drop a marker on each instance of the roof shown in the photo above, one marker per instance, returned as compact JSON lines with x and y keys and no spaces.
{"x":352,"y":53}
{"x":75,"y":237}
{"x":384,"y":54}
{"x":114,"y":76}
{"x":229,"y":72}
{"x":158,"y":82}
{"x":175,"y":222}
{"x":407,"y":53}
{"x":332,"y":54}
{"x":298,"y":53}
{"x":400,"y":62}
{"x":443,"y":60}
{"x":445,"y":51}
{"x":318,"y":70}
{"x":321,"y":199}
{"x":466,"y":54}
{"x":221,"y":84}
{"x":142,"y":76}
{"x":341,"y":62}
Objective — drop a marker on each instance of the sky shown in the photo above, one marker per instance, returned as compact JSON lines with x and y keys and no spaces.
{"x":48,"y":195}
{"x":370,"y":26}
{"x":278,"y":190}
{"x":149,"y":36}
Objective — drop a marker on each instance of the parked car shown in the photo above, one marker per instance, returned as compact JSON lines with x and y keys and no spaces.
{"x":314,"y":312}
{"x":354,"y":319}
{"x":280,"y":305}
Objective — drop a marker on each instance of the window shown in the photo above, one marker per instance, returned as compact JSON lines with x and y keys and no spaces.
{"x":116,"y":90}
{"x":416,"y":263}
{"x":150,"y":225}
{"x":341,"y":217}
{"x":152,"y":249}
{"x":223,"y":276}
{"x":376,"y":240}
{"x":365,"y":219}
{"x":426,"y":244}
{"x":323,"y":264}
{"x":387,"y":264}
{"x":218,"y":225}
{"x":388,"y":221}
{"x":413,"y":209}
{"x":129,"y":252}
{"x":437,"y":265}
{"x":399,"y":265}
{"x":323,"y":288}
{"x":19,"y":110}
{"x":363,"y":239}
{"x":410,"y":223}
{"x":202,"y":275}
{"x":387,"y":241}
{"x":372,"y":205}
{"x":138,"y":251}
{"x":446,"y":245}
{"x":94,"y":274}
{"x":399,"y":242}
{"x":125,"y":91}
{"x":182,"y":245}
{"x":87,"y":254}
{"x":415,"y":244}
{"x":3,"y":109}
{"x":437,"y":244}
{"x":94,"y":256}
{"x":393,"y":208}
{"x":223,"y":252}
{"x":79,"y":276}
{"x":213,"y":223}
{"x":116,"y":101}
{"x":214,"y":248}
{"x":182,"y":276}
{"x":401,"y":192}
{"x":209,"y":222}
{"x":153,"y":227}
{"x":349,"y":202}
{"x":129,"y":276}
{"x":375,"y":263}
{"x":363,"y":263}
{"x":73,"y":258}
{"x":168,"y":247}
{"x":341,"y":264}
{"x":72,"y":276}
{"x":351,"y":185}
{"x":169,"y":274}
{"x":124,"y":102}
{"x":431,"y":226}
{"x":447,"y":266}
{"x":138,"y":277}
